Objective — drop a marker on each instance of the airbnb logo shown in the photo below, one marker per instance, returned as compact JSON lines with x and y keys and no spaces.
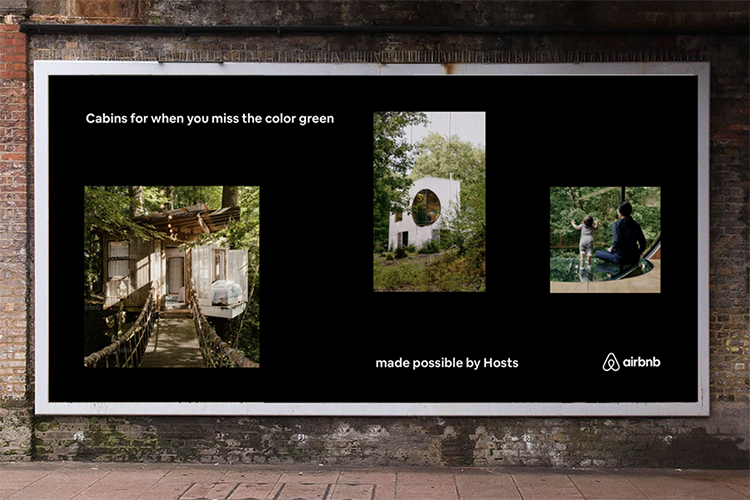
{"x":612,"y":365}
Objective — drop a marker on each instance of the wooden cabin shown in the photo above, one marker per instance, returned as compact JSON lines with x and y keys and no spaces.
{"x":129,"y":265}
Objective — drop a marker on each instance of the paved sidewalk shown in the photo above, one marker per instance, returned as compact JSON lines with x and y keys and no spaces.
{"x":135,"y":481}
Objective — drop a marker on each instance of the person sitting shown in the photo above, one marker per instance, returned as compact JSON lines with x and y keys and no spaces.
{"x":629,"y":241}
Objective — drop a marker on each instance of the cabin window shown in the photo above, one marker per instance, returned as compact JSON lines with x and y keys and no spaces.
{"x":118,"y":261}
{"x":219,"y":271}
{"x":399,"y":216}
{"x":426,"y":208}
{"x":202,"y":271}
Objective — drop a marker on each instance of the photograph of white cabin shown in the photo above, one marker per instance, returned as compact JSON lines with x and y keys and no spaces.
{"x":218,"y":274}
{"x":433,"y":200}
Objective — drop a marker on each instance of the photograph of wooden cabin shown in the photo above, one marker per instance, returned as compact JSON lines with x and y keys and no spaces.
{"x":171,"y":284}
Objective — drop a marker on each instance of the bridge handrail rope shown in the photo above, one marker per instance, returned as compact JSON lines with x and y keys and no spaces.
{"x":216,"y":352}
{"x":133,"y":342}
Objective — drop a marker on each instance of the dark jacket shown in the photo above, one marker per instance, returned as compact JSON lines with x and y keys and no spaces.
{"x":629,"y":241}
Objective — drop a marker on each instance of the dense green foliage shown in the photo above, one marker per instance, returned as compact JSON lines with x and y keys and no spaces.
{"x":446,"y":271}
{"x":440,"y":156}
{"x":245,"y":329}
{"x":392,"y":159}
{"x":109,"y":208}
{"x":245,"y":234}
{"x":443,"y":157}
{"x":574,"y":203}
{"x":455,"y":262}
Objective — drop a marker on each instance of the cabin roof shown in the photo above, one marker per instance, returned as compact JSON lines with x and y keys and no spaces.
{"x":194,"y":219}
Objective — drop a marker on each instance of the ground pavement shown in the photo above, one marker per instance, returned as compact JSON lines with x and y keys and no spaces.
{"x":155,"y":481}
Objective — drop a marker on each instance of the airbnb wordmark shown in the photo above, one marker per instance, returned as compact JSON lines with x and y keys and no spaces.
{"x":611,"y":364}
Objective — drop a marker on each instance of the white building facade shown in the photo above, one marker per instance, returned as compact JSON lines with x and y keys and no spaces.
{"x":433,"y":201}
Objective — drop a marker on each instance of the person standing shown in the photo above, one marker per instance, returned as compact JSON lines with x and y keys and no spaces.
{"x":586,"y":245}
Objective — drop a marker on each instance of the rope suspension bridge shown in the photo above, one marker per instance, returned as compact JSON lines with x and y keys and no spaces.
{"x":158,"y":341}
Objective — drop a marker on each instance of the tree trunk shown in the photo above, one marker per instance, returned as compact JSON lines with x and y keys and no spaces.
{"x":170,"y":195}
{"x":230,"y":196}
{"x":136,"y":205}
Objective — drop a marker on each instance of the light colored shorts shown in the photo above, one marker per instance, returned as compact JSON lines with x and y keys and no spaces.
{"x":587,"y":246}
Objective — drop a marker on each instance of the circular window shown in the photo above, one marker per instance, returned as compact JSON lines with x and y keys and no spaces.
{"x":426,"y":208}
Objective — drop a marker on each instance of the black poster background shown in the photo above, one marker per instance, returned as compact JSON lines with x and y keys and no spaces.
{"x":323,"y":326}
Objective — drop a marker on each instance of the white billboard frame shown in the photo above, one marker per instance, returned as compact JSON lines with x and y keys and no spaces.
{"x":44,"y":69}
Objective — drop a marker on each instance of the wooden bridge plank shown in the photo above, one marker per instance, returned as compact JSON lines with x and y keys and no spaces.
{"x":173,"y":344}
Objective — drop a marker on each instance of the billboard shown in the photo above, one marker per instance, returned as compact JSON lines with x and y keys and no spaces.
{"x":591,"y":132}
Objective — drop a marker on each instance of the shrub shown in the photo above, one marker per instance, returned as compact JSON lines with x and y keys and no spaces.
{"x":380,"y":246}
{"x":431,"y":246}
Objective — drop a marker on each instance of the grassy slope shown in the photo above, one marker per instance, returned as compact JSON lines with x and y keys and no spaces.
{"x":445,"y":271}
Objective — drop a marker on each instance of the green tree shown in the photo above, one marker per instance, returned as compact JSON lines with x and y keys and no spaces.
{"x":442,"y":157}
{"x":158,"y":198}
{"x":185,"y":196}
{"x":107,"y":209}
{"x":392,"y":160}
{"x":245,"y":232}
{"x":568,"y":203}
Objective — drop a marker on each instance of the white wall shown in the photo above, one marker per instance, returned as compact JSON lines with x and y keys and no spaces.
{"x":447,"y":191}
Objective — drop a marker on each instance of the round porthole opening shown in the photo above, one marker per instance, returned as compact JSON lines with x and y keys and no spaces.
{"x":426,"y":208}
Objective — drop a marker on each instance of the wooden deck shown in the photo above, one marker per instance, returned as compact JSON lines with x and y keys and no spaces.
{"x":645,"y":283}
{"x":173,"y":344}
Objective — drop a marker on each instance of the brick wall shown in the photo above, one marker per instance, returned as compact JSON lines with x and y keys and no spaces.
{"x":718,"y":441}
{"x":14,"y":243}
